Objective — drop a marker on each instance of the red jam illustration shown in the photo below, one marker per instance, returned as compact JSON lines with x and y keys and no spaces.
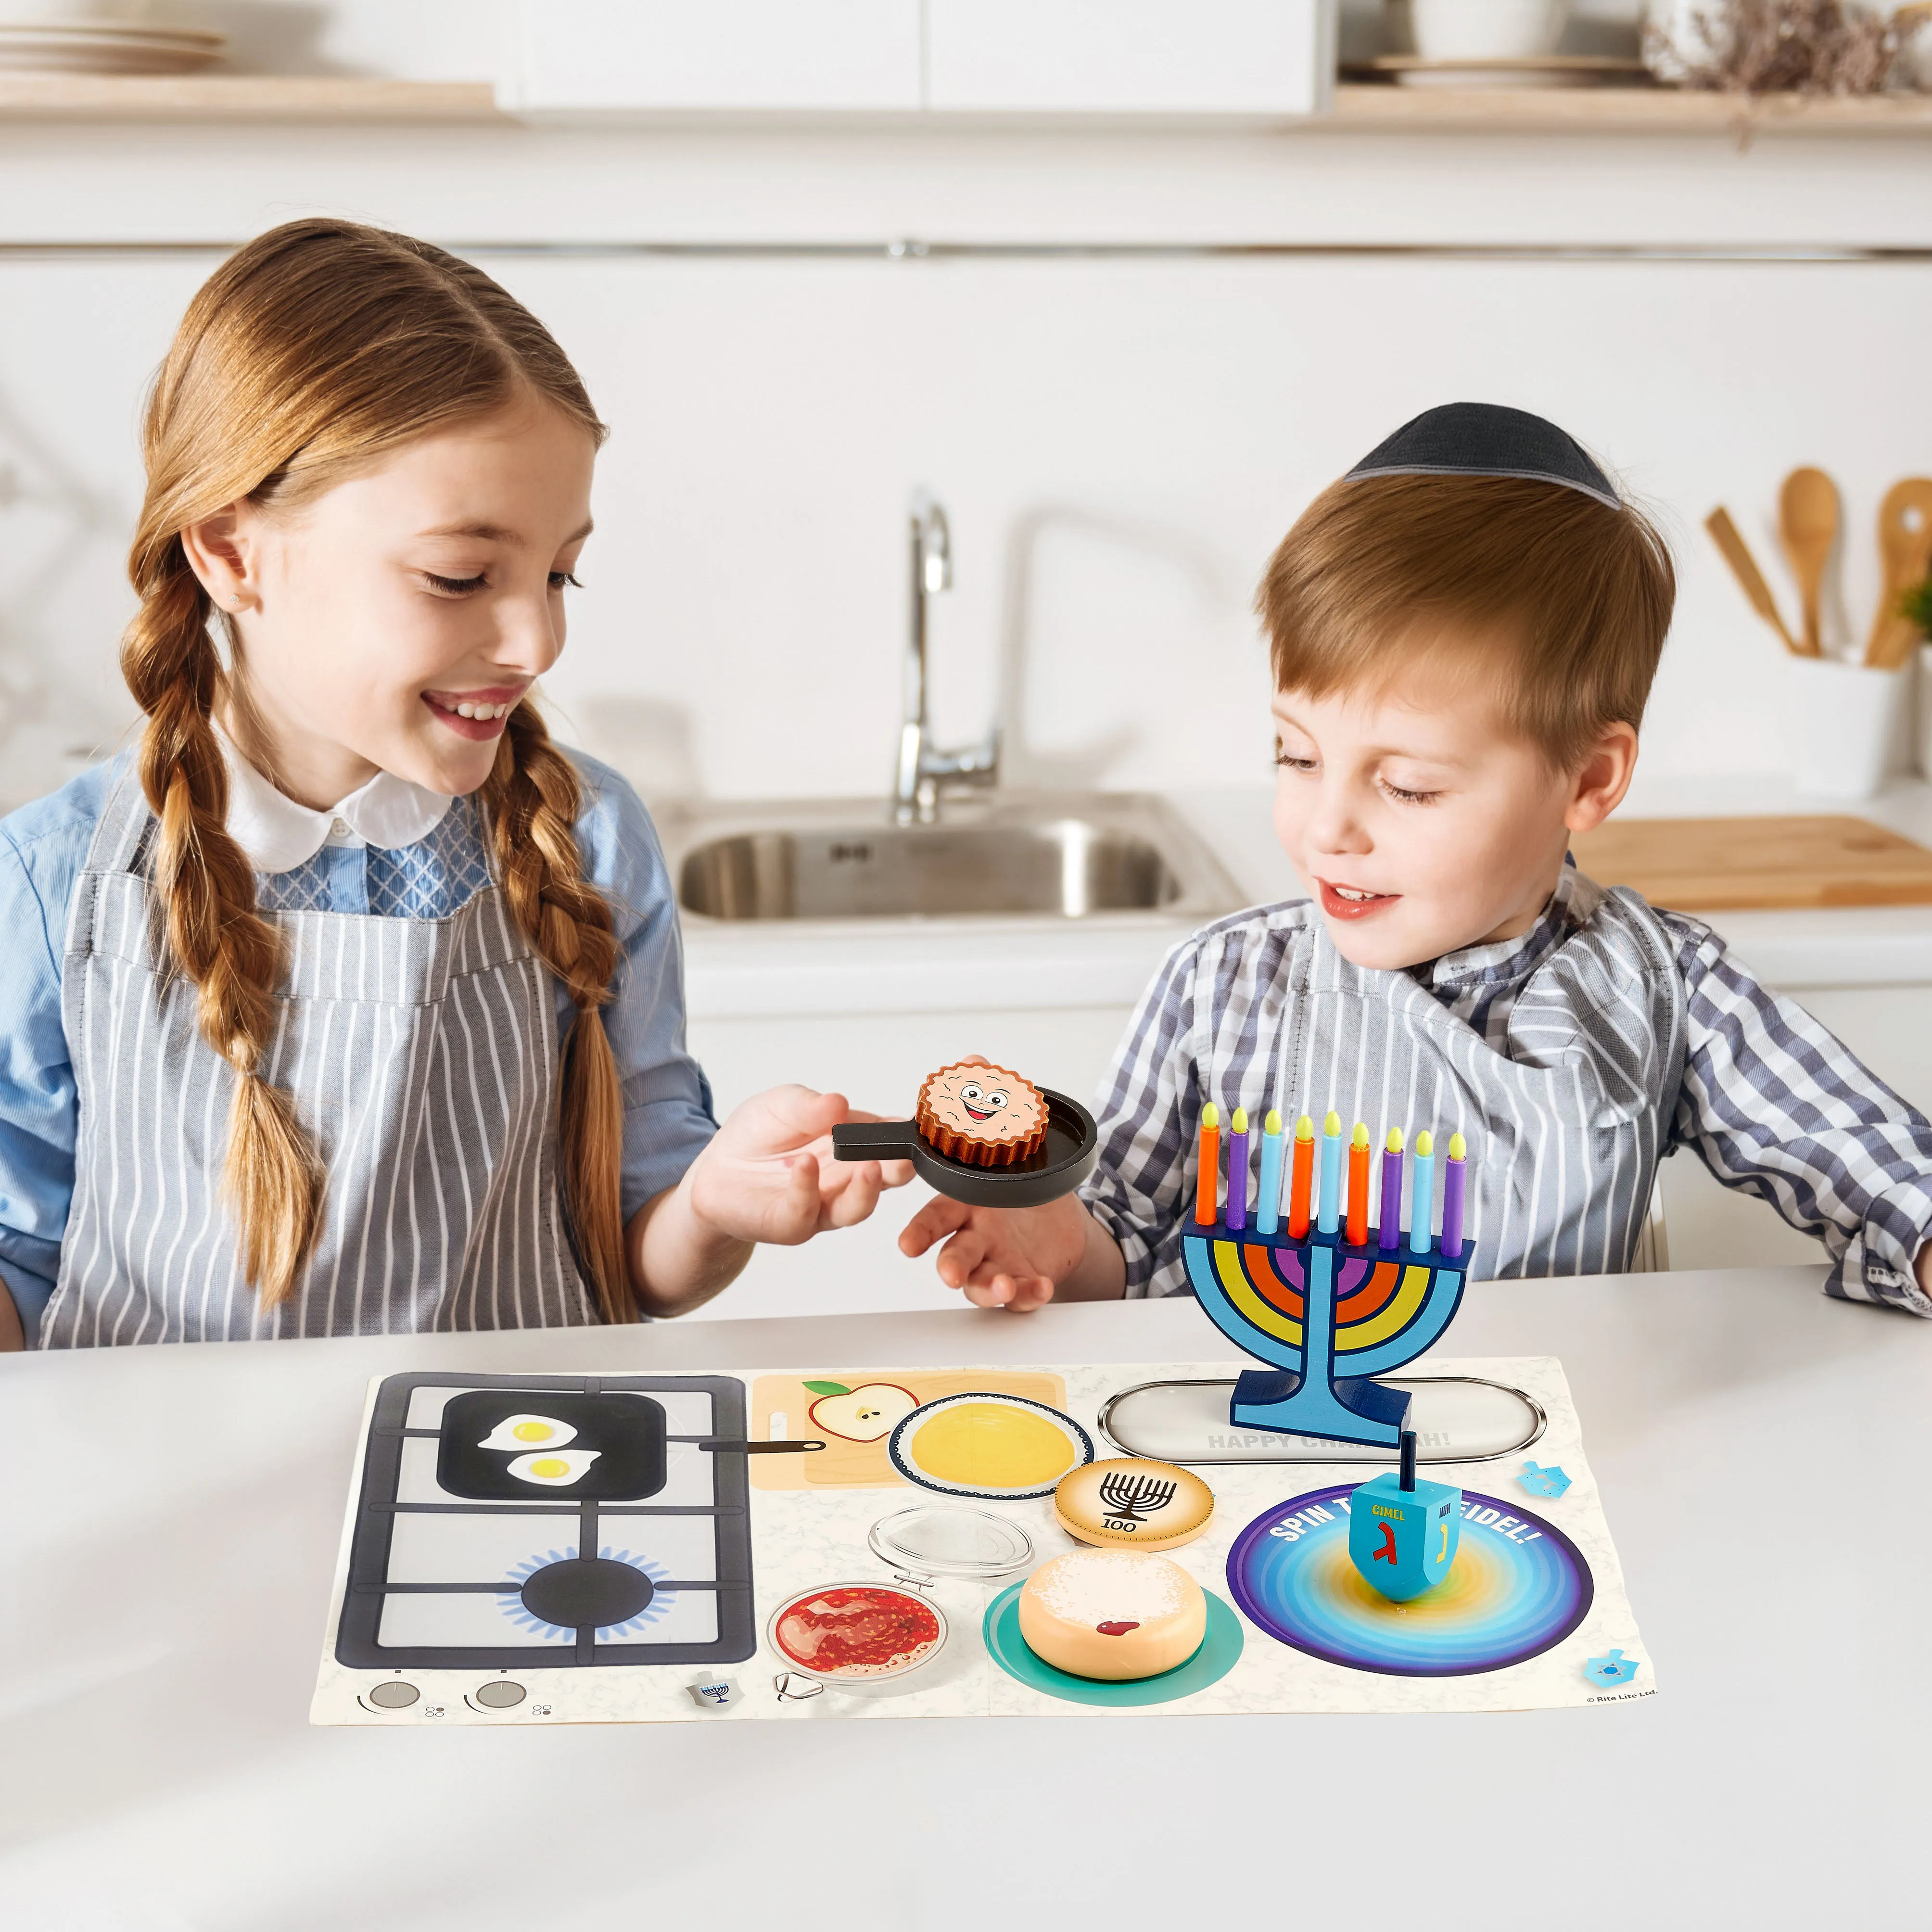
{"x":1116,"y":1629}
{"x":855,"y":1631}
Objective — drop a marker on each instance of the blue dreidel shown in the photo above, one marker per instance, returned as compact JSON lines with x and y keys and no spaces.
{"x":1402,"y":1533}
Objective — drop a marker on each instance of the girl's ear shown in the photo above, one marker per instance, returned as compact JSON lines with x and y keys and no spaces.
{"x":221,"y":552}
{"x":1597,"y":786}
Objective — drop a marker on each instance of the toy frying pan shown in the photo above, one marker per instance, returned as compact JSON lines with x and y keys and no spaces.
{"x":1057,"y":1166}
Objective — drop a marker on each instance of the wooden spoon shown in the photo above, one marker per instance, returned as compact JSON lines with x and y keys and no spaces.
{"x":1808,"y":527}
{"x":1905,"y":557}
{"x":1744,"y":567}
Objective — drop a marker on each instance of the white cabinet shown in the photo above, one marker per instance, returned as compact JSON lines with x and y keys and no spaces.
{"x":1063,"y":59}
{"x":747,"y":56}
{"x":1138,"y":57}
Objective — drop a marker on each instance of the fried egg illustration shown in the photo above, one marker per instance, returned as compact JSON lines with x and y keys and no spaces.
{"x":555,"y":1469}
{"x":528,"y":1432}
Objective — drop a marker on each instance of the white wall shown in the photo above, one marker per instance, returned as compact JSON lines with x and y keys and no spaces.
{"x":1119,"y":443}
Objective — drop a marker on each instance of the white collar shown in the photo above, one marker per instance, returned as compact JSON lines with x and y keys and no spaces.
{"x":278,"y":834}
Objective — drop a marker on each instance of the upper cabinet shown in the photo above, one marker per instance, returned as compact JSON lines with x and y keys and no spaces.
{"x":742,"y":56}
{"x":1060,"y":58}
{"x":1139,"y":57}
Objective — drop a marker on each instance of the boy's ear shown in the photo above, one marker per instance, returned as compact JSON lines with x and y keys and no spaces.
{"x":219,"y":553}
{"x":1597,"y":786}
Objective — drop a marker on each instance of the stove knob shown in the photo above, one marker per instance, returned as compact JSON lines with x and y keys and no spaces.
{"x":499,"y":1694}
{"x":393,"y":1696}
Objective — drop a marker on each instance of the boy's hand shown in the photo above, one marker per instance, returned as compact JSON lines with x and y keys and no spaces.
{"x":1003,"y":1258}
{"x":769,"y":1175}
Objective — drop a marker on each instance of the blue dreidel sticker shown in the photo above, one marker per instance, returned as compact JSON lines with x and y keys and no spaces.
{"x":1542,"y":1482}
{"x":1612,"y":1667}
{"x":1403,"y":1541}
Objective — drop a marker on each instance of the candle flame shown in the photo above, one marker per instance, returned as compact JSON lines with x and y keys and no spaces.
{"x":1210,"y":1115}
{"x":1304,"y":1129}
{"x":1332,"y":1125}
{"x":1272,"y":1125}
{"x":1458,"y":1146}
{"x":1425,"y":1144}
{"x":1240,"y":1122}
{"x":1395,"y":1140}
{"x":1360,"y":1137}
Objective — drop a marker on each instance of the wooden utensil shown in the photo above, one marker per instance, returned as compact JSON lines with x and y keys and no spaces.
{"x":1905,"y":558}
{"x":1807,"y":528}
{"x":1751,"y":579}
{"x":1728,"y":864}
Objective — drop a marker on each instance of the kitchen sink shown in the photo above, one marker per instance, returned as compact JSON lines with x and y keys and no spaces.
{"x":1050,"y":855}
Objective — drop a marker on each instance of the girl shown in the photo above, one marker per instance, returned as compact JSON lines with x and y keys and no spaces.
{"x":349,"y":1003}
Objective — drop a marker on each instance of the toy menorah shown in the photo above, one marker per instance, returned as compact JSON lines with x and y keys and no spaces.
{"x":1325,"y":1293}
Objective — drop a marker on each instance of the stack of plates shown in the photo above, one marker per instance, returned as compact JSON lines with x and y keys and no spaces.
{"x":107,"y":47}
{"x":1534,"y":71}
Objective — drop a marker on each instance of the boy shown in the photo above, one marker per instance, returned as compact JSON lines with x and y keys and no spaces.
{"x":1464,"y":631}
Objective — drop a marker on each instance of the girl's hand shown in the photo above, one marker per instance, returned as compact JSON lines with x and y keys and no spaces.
{"x":769,"y":1174}
{"x":1018,"y":1257}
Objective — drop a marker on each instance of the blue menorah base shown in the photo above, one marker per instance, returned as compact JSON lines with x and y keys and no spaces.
{"x":1351,"y":1408}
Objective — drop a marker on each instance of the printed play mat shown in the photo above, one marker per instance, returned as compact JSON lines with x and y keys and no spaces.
{"x":638,"y":1548}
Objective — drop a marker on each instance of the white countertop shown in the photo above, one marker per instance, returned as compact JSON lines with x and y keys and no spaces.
{"x":170,"y":1518}
{"x":798,"y":968}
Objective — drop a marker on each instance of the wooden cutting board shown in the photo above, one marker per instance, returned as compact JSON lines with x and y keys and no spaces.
{"x":1734,"y":864}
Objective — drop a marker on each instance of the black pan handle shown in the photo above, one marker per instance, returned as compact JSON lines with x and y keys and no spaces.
{"x":873,"y":1140}
{"x":720,"y":1448}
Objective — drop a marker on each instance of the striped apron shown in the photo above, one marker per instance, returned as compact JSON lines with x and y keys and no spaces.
{"x":422,"y":1058}
{"x":1565,"y":1129}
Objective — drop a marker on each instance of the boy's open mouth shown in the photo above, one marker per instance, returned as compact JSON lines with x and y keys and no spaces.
{"x":1353,"y":901}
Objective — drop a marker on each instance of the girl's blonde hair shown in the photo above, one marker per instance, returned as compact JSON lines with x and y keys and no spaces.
{"x":317,"y":348}
{"x":1563,"y":599}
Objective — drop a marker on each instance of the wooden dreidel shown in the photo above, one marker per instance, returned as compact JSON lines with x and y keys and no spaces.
{"x":1402,"y":1533}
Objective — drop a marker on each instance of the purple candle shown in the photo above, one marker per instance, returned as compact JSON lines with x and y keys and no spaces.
{"x":1389,"y":1235}
{"x":1454,"y":1173}
{"x":1238,"y":1170}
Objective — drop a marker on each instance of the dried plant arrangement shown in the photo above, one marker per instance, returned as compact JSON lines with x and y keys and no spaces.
{"x":1797,"y":46}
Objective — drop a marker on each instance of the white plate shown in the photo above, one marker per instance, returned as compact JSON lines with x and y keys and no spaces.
{"x":30,"y":49}
{"x":1533,"y":70}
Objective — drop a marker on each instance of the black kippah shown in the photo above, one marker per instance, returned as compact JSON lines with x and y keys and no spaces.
{"x":1486,"y":439}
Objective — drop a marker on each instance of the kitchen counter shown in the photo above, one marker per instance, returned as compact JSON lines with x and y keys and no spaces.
{"x":170,"y":1518}
{"x":772,"y":969}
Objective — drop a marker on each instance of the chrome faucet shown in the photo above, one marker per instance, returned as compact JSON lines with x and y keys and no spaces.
{"x":921,"y":766}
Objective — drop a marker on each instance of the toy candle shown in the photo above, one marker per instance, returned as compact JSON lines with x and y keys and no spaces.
{"x":1390,"y":1235}
{"x":1238,"y":1170}
{"x":1329,"y":1213}
{"x":1267,"y":1204}
{"x":1301,"y":1181}
{"x":1358,"y":1187}
{"x":1454,"y":1178}
{"x":1422,"y":1193}
{"x":1206,"y":1186}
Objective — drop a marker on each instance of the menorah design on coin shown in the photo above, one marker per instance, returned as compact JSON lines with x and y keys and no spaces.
{"x":1134,"y":1498}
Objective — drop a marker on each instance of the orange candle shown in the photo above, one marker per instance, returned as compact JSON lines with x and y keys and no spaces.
{"x":1358,"y":1187}
{"x":1301,"y":1180}
{"x":1207,"y":1187}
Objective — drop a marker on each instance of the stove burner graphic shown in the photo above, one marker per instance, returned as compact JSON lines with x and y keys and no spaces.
{"x":586,"y":1590}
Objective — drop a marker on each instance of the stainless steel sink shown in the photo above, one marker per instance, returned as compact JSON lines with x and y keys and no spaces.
{"x":1052,"y":856}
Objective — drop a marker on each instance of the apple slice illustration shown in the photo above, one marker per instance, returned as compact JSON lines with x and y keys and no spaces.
{"x":861,"y":1415}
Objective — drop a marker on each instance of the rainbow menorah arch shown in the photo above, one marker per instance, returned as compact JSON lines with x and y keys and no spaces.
{"x":1326,"y":1316}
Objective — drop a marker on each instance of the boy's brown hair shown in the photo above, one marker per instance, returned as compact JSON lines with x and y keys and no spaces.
{"x":1569,"y":598}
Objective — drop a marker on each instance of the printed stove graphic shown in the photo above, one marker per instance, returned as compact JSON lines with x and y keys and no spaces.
{"x":539,"y":1522}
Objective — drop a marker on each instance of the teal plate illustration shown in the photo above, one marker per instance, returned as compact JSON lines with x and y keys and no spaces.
{"x":1220,"y":1651}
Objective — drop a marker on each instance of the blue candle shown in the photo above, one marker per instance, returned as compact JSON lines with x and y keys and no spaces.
{"x":1267,"y":1204}
{"x":1329,"y":1215}
{"x":1422,"y":1193}
{"x":1238,"y":1170}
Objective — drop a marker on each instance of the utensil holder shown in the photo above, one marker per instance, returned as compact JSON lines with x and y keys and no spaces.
{"x":1846,"y":720}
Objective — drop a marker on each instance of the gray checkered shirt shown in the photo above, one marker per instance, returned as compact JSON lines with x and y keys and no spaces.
{"x":1773,"y":1104}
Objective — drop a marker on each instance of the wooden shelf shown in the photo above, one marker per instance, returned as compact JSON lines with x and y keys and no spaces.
{"x":1369,"y":109}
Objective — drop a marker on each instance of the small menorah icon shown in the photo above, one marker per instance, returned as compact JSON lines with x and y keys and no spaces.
{"x":1135,"y":1497}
